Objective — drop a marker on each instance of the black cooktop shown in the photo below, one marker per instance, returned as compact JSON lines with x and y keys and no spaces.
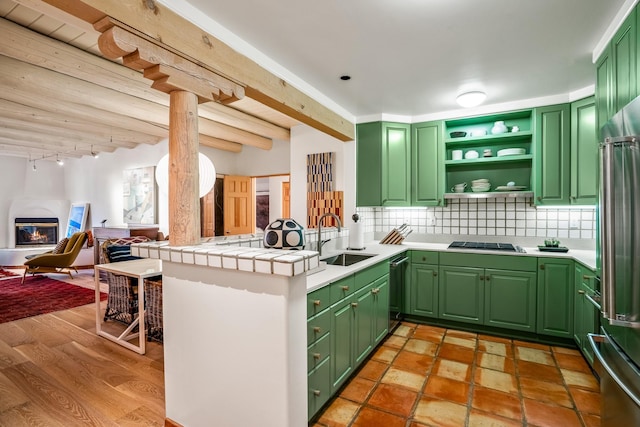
{"x":508,"y":247}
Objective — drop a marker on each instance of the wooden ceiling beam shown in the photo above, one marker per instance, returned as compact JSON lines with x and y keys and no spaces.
{"x":220,"y":144}
{"x":36,"y":82}
{"x":25,"y":45}
{"x":164,"y":27}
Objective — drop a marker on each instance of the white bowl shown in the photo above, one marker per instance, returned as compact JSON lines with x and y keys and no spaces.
{"x":471,"y":154}
{"x":479,"y":181}
{"x":511,"y":152}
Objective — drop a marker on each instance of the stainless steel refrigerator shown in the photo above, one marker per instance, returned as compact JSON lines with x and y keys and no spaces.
{"x":618,"y":347}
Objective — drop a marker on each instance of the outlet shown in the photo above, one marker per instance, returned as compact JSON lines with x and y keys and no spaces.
{"x":432,"y":220}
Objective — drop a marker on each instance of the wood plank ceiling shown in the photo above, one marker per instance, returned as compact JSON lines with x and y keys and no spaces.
{"x":59,"y":97}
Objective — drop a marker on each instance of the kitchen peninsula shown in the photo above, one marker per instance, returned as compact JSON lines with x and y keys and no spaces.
{"x":236,"y":325}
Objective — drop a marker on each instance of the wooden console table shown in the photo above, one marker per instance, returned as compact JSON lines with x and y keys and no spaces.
{"x":140,"y":269}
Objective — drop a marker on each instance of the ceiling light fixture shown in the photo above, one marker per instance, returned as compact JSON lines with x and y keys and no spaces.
{"x":471,"y":99}
{"x":34,"y":166}
{"x":94,"y":154}
{"x":59,"y":161}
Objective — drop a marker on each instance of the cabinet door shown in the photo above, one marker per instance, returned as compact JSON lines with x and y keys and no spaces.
{"x":552,"y":158}
{"x":555,"y":297}
{"x":369,"y":164}
{"x":364,"y":321}
{"x":426,"y":170}
{"x":342,"y":326}
{"x":510,"y":299}
{"x":461,"y":294}
{"x":319,"y":388}
{"x":584,"y":152}
{"x":623,"y":53}
{"x":423,"y":290}
{"x":604,"y":93}
{"x":380,"y":291}
{"x":396,"y":156}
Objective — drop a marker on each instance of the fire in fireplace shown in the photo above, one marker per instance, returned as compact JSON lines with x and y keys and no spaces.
{"x":36,"y":231}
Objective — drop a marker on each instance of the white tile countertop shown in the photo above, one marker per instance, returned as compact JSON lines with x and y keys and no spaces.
{"x":319,"y":274}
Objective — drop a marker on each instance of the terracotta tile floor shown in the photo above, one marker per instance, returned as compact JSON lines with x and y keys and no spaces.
{"x":428,"y":376}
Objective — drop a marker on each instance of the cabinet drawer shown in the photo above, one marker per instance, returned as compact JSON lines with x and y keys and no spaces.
{"x":317,"y":301}
{"x":318,"y":325}
{"x":319,"y":387}
{"x":500,"y":262}
{"x":424,"y":257}
{"x":317,"y":352}
{"x":370,"y":274}
{"x":341,"y":289}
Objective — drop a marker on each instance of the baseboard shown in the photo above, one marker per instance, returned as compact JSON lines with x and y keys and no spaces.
{"x":170,"y":423}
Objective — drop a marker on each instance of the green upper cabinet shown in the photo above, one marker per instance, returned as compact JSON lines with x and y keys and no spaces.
{"x":623,"y":55}
{"x":426,"y":166}
{"x":584,"y":152}
{"x":383,"y":164}
{"x":552,"y":146}
{"x":617,"y":70}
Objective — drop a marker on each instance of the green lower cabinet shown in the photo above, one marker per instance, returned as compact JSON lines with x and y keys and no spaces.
{"x":555,"y":297}
{"x":510,"y":299}
{"x":461,"y":294}
{"x":380,"y":291}
{"x":422,"y":295}
{"x":364,"y":314}
{"x":342,"y":342}
{"x":585,"y":314}
{"x":319,"y":387}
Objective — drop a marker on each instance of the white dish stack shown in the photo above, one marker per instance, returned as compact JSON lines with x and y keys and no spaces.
{"x":480,"y":185}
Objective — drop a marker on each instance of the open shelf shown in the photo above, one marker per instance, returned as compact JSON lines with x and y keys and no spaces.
{"x":489,"y":195}
{"x":481,"y":160}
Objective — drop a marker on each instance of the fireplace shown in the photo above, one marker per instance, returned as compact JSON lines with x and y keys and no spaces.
{"x":36,"y":231}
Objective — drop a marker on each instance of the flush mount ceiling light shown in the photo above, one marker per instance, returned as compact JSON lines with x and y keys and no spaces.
{"x":471,"y":99}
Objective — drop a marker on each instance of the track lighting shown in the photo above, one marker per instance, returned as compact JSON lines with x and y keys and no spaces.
{"x":93,"y":153}
{"x":59,"y":161}
{"x":34,"y":166}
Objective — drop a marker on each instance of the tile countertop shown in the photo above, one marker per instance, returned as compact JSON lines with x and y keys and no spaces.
{"x":331,"y":273}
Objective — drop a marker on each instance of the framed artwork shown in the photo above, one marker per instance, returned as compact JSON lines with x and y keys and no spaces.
{"x":77,"y":218}
{"x":139,"y":196}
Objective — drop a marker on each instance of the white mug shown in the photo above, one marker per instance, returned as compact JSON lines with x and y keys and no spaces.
{"x":456,"y":155}
{"x":459,"y":188}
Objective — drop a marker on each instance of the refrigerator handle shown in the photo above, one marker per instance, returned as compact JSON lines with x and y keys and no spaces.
{"x":607,"y":228}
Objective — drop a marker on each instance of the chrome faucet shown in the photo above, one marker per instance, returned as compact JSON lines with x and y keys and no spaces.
{"x":320,"y":242}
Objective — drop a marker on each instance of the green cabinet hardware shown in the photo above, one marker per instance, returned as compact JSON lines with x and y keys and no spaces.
{"x":426,"y":166}
{"x":584,"y":152}
{"x":383,"y":153}
{"x":585,"y":314}
{"x":555,"y":297}
{"x":552,"y":142}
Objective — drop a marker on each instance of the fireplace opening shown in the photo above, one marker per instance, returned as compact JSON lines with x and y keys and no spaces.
{"x":36,"y":231}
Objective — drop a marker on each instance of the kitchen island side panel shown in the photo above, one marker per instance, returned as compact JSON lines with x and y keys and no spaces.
{"x":234,"y":345}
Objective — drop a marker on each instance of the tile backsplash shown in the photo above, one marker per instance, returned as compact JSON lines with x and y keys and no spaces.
{"x":487,"y":217}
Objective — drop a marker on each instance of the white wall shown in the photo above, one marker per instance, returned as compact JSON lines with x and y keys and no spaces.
{"x":275,"y":196}
{"x":99,"y":181}
{"x":306,"y":140}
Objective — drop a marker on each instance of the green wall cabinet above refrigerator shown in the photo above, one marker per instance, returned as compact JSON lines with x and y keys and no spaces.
{"x":383,"y":164}
{"x":584,"y":152}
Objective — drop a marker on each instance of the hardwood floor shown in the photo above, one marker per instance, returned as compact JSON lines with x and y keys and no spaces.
{"x":55,"y":371}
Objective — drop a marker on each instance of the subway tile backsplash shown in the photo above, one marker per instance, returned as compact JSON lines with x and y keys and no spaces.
{"x":486,"y":217}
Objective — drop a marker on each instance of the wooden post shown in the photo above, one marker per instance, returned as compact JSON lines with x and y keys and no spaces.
{"x":184,"y":204}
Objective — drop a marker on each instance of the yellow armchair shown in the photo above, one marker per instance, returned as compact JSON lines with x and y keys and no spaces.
{"x":57,"y":263}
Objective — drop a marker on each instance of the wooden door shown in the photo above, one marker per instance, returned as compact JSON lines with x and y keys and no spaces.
{"x":239,"y":217}
{"x":286,"y":207}
{"x":207,"y":214}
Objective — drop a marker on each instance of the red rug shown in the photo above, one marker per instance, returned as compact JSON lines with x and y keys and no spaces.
{"x":40,"y":295}
{"x":5,"y":273}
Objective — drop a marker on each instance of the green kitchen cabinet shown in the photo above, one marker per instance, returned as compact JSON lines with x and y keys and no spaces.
{"x":383,"y":164}
{"x":585,"y":315}
{"x":319,"y":388}
{"x":617,"y":70}
{"x":426,"y":167}
{"x":318,"y":349}
{"x":584,"y":152}
{"x":423,"y":290}
{"x":364,"y":322}
{"x":510,"y":299}
{"x":380,"y":290}
{"x":342,"y":342}
{"x":461,"y":294}
{"x":552,"y":160}
{"x":555,"y":297}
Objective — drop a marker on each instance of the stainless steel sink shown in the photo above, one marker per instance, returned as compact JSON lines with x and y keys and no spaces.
{"x":345,"y":259}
